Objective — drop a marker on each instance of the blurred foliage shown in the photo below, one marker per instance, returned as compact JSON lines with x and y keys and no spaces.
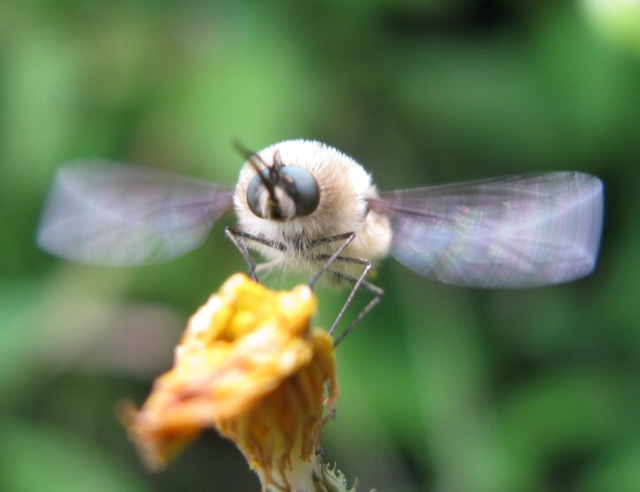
{"x":442,"y":388}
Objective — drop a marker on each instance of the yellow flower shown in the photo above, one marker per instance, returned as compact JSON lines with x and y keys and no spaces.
{"x":250,"y":367}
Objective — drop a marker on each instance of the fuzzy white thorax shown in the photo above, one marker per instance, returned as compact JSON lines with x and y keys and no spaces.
{"x":344,"y":189}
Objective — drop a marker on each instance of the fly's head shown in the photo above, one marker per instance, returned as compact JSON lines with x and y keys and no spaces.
{"x":280,"y":192}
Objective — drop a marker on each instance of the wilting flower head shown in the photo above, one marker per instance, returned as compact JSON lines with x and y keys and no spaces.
{"x":249,"y":366}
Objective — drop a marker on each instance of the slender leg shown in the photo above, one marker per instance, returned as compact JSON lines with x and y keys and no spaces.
{"x":239,"y":240}
{"x":358,"y":283}
{"x":266,"y":265}
{"x":346,"y":239}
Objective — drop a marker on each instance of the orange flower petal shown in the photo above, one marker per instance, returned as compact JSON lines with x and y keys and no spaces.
{"x":249,"y":366}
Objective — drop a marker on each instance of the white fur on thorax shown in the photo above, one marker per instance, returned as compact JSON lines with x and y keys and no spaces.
{"x":344,"y":189}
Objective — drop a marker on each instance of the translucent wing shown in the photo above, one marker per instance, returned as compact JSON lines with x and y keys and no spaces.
{"x":515,"y":231}
{"x":112,"y":214}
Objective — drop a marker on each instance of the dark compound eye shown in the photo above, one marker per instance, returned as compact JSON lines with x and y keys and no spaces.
{"x":301,"y":193}
{"x":256,"y":190}
{"x":302,"y":187}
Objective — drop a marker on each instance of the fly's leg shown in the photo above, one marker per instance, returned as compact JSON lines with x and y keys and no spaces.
{"x":240,"y":239}
{"x":266,"y":265}
{"x":358,"y":282}
{"x":346,"y":239}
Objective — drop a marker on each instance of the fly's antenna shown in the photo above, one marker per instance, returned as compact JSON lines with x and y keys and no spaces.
{"x":251,"y":157}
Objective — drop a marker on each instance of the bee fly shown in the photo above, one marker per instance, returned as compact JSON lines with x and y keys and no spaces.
{"x":305,"y":206}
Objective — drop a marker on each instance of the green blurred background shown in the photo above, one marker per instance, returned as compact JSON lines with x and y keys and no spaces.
{"x":443,"y":388}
